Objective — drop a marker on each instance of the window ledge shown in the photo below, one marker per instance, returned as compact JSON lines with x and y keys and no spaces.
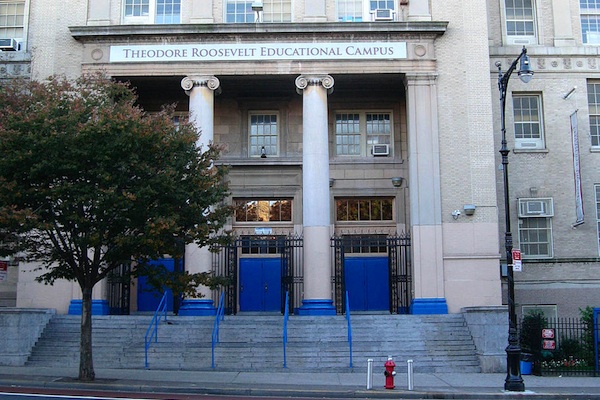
{"x":518,"y":151}
{"x":594,"y":149}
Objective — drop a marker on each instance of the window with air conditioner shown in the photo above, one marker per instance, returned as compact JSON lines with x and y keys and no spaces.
{"x":589,"y":13}
{"x":520,"y":21}
{"x":12,"y":24}
{"x":152,"y":11}
{"x":363,"y":133}
{"x":535,"y":227}
{"x":528,"y":124}
{"x":366,"y":10}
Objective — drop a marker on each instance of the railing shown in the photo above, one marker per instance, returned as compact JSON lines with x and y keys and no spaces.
{"x":215,"y":334}
{"x":152,"y":332}
{"x":349,"y":327}
{"x":286,"y":316}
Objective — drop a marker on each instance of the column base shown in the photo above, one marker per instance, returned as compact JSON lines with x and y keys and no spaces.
{"x":429,"y":306}
{"x":197,"y":307}
{"x":319,"y":307}
{"x":99,"y":307}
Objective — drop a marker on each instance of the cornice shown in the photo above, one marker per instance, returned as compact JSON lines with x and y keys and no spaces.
{"x":254,"y":31}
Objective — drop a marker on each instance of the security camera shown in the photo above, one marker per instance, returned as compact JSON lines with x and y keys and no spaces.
{"x":455,"y":214}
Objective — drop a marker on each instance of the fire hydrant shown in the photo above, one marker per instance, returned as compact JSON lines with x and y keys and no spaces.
{"x":389,"y":373}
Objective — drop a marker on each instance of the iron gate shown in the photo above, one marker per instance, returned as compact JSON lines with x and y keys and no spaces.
{"x":119,"y":285}
{"x":288,"y":248}
{"x":397,"y":249}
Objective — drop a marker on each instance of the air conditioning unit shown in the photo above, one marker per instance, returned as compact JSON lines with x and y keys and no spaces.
{"x":9,"y":45}
{"x":536,"y":208}
{"x":380,"y":150}
{"x":383,"y":14}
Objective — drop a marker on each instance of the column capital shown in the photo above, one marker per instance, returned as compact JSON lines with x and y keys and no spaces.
{"x":426,"y":78}
{"x":303,"y":81}
{"x":209,"y":81}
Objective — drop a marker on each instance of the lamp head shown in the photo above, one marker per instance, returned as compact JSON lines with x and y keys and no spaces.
{"x":525,"y":71}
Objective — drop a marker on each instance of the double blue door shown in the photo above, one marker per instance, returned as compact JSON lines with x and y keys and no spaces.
{"x":260,"y":284}
{"x":367,"y":283}
{"x":149,"y":298}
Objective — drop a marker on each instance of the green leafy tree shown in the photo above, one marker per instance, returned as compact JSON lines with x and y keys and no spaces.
{"x":89,"y":181}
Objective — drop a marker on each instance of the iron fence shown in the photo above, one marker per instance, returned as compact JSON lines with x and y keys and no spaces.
{"x":559,"y":346}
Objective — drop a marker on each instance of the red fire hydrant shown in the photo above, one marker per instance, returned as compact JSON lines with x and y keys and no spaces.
{"x":389,"y":373}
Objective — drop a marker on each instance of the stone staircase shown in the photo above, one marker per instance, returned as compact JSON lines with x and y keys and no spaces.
{"x":440,"y":343}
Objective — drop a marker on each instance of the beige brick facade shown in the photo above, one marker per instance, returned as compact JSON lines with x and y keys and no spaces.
{"x":443,"y":103}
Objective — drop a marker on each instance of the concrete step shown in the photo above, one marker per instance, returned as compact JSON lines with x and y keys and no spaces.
{"x":435,"y":343}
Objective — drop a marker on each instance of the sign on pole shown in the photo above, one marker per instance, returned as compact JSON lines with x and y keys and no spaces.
{"x":3,"y":270}
{"x":517,"y":263}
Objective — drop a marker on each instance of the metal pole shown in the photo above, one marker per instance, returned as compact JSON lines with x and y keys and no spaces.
{"x":369,"y":374}
{"x":514,"y":380}
{"x":410,"y":374}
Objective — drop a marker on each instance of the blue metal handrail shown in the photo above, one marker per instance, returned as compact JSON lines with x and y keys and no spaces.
{"x":152,"y":331}
{"x":349,"y":327}
{"x":215,"y":333}
{"x":286,"y":316}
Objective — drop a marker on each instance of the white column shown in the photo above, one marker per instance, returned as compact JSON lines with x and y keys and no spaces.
{"x":315,"y":195}
{"x":201,"y":90}
{"x":425,"y":194}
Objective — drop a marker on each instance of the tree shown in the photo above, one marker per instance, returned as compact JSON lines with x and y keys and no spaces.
{"x":89,"y":181}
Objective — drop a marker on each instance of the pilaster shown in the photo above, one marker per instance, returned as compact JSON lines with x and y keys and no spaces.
{"x":425,"y":194}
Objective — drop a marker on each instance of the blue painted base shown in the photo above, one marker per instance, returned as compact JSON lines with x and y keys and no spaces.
{"x":319,"y":307}
{"x":197,"y":307}
{"x":99,"y":307}
{"x":429,"y":306}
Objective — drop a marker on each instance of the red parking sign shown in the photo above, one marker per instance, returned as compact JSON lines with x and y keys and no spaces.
{"x":548,"y":333}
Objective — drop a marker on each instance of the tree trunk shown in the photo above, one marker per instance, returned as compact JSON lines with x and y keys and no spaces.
{"x":86,"y":363}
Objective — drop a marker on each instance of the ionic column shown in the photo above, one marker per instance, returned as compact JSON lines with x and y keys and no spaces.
{"x":315,"y":195}
{"x":201,"y":90}
{"x":425,"y":195}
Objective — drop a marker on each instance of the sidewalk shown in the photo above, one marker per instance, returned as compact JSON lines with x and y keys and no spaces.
{"x":297,"y":384}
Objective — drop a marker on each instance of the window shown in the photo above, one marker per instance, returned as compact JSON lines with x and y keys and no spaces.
{"x":12,"y":19}
{"x":357,"y":132}
{"x":358,"y":244}
{"x":548,"y":310}
{"x":528,"y":126}
{"x":277,"y":11}
{"x":360,"y":209}
{"x":597,"y":188}
{"x":271,"y":210}
{"x":263,"y":135}
{"x":520,"y":21}
{"x":535,"y":227}
{"x":263,"y":244}
{"x":240,"y":11}
{"x":594,"y":112}
{"x":590,"y":21}
{"x":152,"y":11}
{"x":359,"y":10}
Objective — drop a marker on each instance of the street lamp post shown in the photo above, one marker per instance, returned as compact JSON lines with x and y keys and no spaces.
{"x":514,"y":380}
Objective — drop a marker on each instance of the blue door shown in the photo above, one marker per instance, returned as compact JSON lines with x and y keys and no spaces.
{"x":260,"y":284}
{"x":367,"y":282}
{"x":148,"y":298}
